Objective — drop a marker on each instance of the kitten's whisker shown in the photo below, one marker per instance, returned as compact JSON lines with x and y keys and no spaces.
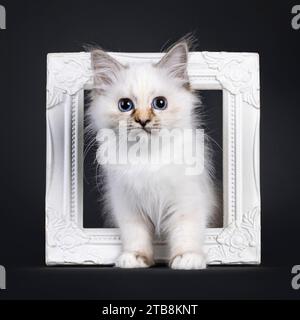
{"x":214,"y":141}
{"x":89,"y":146}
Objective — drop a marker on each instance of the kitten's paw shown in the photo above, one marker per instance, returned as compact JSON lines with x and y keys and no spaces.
{"x":133,"y":260}
{"x":188,"y":261}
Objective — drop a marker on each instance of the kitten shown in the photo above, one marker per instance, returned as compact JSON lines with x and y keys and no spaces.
{"x":146,"y":198}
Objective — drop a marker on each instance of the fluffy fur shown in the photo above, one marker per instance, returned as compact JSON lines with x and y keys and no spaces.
{"x":147,"y":199}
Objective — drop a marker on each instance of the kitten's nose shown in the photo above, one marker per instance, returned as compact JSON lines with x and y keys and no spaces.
{"x":142,"y":122}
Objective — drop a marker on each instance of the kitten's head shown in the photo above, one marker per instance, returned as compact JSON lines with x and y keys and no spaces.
{"x":143,"y":95}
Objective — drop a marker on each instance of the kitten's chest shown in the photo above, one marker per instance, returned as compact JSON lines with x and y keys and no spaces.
{"x":146,"y":178}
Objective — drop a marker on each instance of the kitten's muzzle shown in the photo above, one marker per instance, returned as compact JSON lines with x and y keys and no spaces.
{"x":143,"y":123}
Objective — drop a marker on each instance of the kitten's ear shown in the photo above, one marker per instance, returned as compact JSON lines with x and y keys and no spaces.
{"x":105,"y":68}
{"x":175,"y":61}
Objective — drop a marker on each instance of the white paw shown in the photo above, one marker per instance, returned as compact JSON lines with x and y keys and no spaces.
{"x":188,"y":261}
{"x":132,"y":260}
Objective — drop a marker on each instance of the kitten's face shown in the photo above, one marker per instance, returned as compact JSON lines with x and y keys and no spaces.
{"x":143,"y":96}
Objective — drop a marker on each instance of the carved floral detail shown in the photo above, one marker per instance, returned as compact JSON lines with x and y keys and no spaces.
{"x":63,"y":233}
{"x":237,"y":74}
{"x":67,"y":241}
{"x":237,"y":239}
{"x":67,"y":74}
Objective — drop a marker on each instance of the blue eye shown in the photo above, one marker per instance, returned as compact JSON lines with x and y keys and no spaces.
{"x":159,"y":103}
{"x":125,"y":105}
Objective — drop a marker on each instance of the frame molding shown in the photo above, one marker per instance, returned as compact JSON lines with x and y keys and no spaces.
{"x":237,"y":75}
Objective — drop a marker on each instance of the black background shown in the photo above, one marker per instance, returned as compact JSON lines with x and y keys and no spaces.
{"x":35,"y":28}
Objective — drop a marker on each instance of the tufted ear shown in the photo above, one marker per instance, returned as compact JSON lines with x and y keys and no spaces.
{"x":175,"y":61}
{"x":105,"y":68}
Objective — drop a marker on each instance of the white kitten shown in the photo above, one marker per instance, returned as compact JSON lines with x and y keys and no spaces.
{"x":147,"y":198}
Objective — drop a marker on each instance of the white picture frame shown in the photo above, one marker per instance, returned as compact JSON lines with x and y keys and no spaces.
{"x":238,"y":242}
